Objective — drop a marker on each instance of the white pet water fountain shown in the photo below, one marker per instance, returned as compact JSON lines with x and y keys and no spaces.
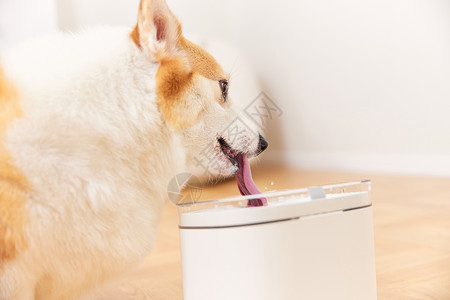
{"x":314,"y":243}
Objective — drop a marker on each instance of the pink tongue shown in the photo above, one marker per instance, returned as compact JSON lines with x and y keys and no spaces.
{"x":245,"y":182}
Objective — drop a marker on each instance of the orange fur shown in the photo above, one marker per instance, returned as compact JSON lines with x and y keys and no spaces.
{"x":176,"y":78}
{"x":173,"y":82}
{"x":173,"y":79}
{"x":135,"y":36}
{"x":201,"y":61}
{"x":13,"y":184}
{"x":181,"y":63}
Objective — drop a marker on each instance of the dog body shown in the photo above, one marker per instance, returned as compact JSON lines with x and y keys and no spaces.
{"x":92,"y":128}
{"x":97,"y":158}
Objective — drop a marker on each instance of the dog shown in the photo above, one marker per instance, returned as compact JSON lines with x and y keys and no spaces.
{"x":93,"y":126}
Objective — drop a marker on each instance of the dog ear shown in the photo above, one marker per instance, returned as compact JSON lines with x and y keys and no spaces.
{"x":157,"y":30}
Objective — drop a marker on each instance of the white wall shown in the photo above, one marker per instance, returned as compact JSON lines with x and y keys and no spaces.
{"x":24,"y":19}
{"x":363,"y":85}
{"x":77,"y":14}
{"x":210,"y":16}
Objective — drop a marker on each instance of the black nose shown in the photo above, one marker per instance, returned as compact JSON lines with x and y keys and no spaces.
{"x":262,"y":145}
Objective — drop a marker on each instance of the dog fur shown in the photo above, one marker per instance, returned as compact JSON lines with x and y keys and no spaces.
{"x":92,"y":128}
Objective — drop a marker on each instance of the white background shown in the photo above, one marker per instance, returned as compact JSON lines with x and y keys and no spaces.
{"x":363,"y":85}
{"x":22,"y":19}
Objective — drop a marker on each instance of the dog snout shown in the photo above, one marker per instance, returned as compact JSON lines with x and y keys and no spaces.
{"x":262,"y":145}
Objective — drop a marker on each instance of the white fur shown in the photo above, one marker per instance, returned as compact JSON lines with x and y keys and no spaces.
{"x":98,"y":155}
{"x":91,"y":145}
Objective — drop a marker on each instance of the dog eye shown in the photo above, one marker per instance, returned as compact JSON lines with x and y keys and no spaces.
{"x":224,"y":88}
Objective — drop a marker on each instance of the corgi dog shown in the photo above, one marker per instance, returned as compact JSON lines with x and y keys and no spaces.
{"x":93,"y":127}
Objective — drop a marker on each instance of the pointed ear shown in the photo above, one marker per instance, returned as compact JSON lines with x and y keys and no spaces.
{"x":157,"y":30}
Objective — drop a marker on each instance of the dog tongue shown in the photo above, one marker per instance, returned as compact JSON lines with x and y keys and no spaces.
{"x":245,"y":182}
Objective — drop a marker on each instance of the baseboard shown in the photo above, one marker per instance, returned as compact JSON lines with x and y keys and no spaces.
{"x":426,"y":165}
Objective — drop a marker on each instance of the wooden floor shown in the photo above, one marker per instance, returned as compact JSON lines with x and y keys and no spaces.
{"x":412,"y":236}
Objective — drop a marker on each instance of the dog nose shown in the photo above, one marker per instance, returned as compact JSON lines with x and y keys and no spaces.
{"x":262,"y":145}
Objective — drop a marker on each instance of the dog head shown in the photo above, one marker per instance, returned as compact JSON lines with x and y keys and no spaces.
{"x":192,"y":94}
